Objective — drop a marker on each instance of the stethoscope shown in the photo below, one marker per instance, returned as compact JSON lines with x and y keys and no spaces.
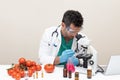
{"x":78,"y":37}
{"x":55,"y":32}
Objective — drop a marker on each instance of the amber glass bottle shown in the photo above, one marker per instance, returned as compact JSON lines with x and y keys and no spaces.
{"x":89,"y":72}
{"x":65,"y":71}
{"x":76,"y":75}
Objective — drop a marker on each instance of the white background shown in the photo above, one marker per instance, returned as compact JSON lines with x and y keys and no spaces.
{"x":22,"y":23}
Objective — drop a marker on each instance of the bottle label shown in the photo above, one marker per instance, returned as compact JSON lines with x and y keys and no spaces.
{"x":89,"y":73}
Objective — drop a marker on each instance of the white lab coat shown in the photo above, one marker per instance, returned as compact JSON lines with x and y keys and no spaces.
{"x":49,"y":45}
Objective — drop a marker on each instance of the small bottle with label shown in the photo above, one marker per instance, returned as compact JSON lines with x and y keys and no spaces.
{"x":36,"y":74}
{"x":70,"y":74}
{"x":89,"y":72}
{"x":65,"y":72}
{"x":76,"y":75}
{"x":42,"y":75}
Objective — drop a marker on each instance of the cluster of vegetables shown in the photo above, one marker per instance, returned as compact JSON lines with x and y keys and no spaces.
{"x":17,"y":71}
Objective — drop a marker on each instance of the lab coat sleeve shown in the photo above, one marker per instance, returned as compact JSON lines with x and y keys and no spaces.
{"x":45,"y":55}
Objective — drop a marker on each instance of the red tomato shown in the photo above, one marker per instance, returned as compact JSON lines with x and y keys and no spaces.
{"x":22,"y":60}
{"x":49,"y":68}
{"x":17,"y":76}
{"x":14,"y":74}
{"x":38,"y":67}
{"x":28,"y":63}
{"x":17,"y":69}
{"x":16,"y":66}
{"x":33,"y":68}
{"x":33,"y":63}
{"x":30,"y":73}
{"x":22,"y":73}
{"x":10,"y":71}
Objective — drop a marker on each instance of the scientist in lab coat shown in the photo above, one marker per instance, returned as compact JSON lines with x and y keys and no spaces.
{"x":58,"y":43}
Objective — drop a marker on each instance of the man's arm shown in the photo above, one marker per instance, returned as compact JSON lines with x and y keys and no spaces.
{"x":45,"y":49}
{"x":56,"y":61}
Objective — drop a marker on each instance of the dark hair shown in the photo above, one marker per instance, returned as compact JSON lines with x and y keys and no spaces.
{"x":72,"y":17}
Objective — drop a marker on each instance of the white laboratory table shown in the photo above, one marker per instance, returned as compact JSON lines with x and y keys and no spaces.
{"x":56,"y":75}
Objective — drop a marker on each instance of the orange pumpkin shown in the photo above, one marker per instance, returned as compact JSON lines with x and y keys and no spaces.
{"x":49,"y":68}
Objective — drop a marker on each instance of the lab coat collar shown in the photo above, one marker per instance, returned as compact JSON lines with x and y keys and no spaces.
{"x":59,"y":38}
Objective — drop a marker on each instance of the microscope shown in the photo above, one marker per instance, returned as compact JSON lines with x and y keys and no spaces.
{"x":86,"y":54}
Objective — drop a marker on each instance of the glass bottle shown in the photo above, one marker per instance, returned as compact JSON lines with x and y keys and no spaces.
{"x":65,"y":71}
{"x":76,"y":75}
{"x":89,"y":72}
{"x":70,"y":74}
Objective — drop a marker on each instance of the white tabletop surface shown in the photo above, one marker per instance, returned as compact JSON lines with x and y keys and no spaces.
{"x":56,"y":75}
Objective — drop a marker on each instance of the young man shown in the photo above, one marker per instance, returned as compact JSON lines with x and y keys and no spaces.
{"x":59,"y":43}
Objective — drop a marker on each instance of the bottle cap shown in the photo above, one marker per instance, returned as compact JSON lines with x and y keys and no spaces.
{"x":89,"y":67}
{"x":64,"y":66}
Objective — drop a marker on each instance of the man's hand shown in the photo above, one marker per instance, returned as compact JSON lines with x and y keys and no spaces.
{"x":74,"y":60}
{"x":65,"y":55}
